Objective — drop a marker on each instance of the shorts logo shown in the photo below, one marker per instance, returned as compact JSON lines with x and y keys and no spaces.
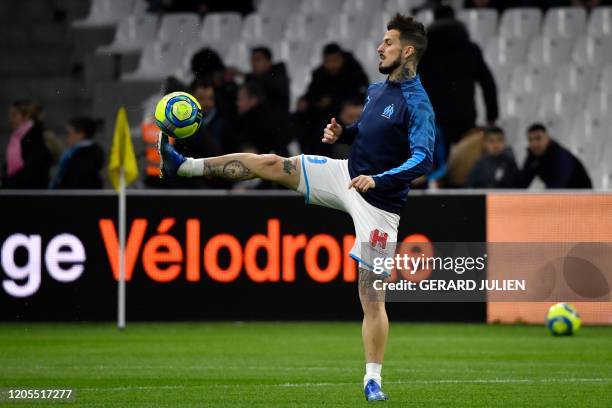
{"x":378,"y":237}
{"x":316,"y":159}
{"x":387,"y":112}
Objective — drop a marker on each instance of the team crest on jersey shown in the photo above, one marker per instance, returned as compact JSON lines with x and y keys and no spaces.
{"x":387,"y":112}
{"x":378,"y":237}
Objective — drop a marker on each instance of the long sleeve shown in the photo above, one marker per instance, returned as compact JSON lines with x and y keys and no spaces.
{"x":421,"y":134}
{"x":349,"y":133}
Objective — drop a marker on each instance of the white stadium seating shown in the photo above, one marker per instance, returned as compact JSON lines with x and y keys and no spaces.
{"x":179,"y":28}
{"x":533,"y":79}
{"x":520,"y":22}
{"x":330,"y":7}
{"x":591,"y":50}
{"x":132,"y":34}
{"x":105,"y":13}
{"x":564,"y":22}
{"x":600,"y":22}
{"x":259,"y":29}
{"x":158,"y":60}
{"x":280,"y":8}
{"x":545,"y":50}
{"x":481,"y":24}
{"x":221,"y":28}
{"x":306,"y":27}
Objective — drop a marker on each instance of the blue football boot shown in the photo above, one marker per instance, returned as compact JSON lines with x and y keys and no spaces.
{"x":170,"y":159}
{"x":373,"y":392}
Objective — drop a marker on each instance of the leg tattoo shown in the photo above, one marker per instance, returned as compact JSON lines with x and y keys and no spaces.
{"x":232,"y":170}
{"x":289,"y":165}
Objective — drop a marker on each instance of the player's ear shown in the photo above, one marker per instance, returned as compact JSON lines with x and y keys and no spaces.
{"x":408,"y":51}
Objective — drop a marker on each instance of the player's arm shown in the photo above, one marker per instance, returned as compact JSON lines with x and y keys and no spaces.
{"x":422,"y":136}
{"x":333,"y":131}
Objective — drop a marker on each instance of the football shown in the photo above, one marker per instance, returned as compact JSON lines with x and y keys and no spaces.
{"x":562,"y":319}
{"x":178,"y":114}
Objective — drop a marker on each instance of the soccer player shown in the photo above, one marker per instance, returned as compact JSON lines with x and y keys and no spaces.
{"x":392,"y":144}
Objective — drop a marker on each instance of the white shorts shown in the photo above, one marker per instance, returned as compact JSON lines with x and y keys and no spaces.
{"x":324,"y":181}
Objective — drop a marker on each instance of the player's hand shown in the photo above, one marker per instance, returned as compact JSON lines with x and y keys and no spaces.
{"x":362,"y":183}
{"x":332,"y":132}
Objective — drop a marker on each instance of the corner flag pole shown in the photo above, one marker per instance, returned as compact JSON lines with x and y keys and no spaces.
{"x":121,"y":286}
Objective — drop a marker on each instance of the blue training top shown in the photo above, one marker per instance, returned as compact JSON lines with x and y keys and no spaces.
{"x":393,"y":141}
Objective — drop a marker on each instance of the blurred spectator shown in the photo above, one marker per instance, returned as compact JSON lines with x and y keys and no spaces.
{"x":257,"y":131}
{"x":82,"y":161}
{"x":551,"y":162}
{"x":497,"y":167}
{"x":272,"y":78}
{"x":350,"y":111}
{"x":27,"y":157}
{"x":452,"y":91}
{"x":207,"y":66}
{"x":463,"y":157}
{"x":214,"y":128}
{"x":339,"y":78}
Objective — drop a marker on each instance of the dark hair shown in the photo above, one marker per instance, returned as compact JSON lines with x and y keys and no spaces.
{"x":494,"y":130}
{"x":205,"y":62}
{"x":265,"y":51}
{"x":411,"y":31}
{"x":25,"y":107}
{"x":537,"y":127}
{"x":254,"y":90}
{"x":84,"y":124}
{"x":332,"y":48}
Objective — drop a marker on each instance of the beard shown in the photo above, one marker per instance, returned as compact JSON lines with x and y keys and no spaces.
{"x":390,"y":68}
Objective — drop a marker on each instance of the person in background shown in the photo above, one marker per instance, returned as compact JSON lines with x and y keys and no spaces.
{"x":27,"y":157}
{"x":340,"y":77}
{"x":256,"y":130}
{"x":551,"y":162}
{"x":82,"y":161}
{"x":463,"y":157}
{"x":272,"y":78}
{"x":497,"y":167}
{"x":350,"y":111}
{"x":452,"y":91}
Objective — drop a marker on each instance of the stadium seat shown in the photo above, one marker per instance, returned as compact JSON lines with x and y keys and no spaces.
{"x":261,"y":30}
{"x":588,"y":133}
{"x":505,"y":51}
{"x":402,"y":6}
{"x":481,"y":24}
{"x":605,"y":83}
{"x":221,"y":28}
{"x":105,"y":13}
{"x":158,"y":60}
{"x":425,"y":16}
{"x":362,"y":6}
{"x":549,"y":50}
{"x":280,"y":8}
{"x":599,"y":102}
{"x":557,"y":110}
{"x":367,"y":55}
{"x":575,"y":78}
{"x":238,"y":56}
{"x":293,"y":53}
{"x":179,"y":28}
{"x":300,"y":78}
{"x":529,"y":78}
{"x":306,"y":27}
{"x":600,"y":22}
{"x":378,"y":24}
{"x":591,"y":50}
{"x":517,"y":105}
{"x":511,"y":126}
{"x":329,"y":7}
{"x":522,"y":22}
{"x":133,"y":33}
{"x":564,"y":22}
{"x":348,"y":28}
{"x":140,"y":7}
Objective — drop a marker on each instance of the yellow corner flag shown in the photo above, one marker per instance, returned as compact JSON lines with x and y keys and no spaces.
{"x":122,"y":152}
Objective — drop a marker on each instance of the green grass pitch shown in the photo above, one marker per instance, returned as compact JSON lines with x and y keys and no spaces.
{"x":305,"y":364}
